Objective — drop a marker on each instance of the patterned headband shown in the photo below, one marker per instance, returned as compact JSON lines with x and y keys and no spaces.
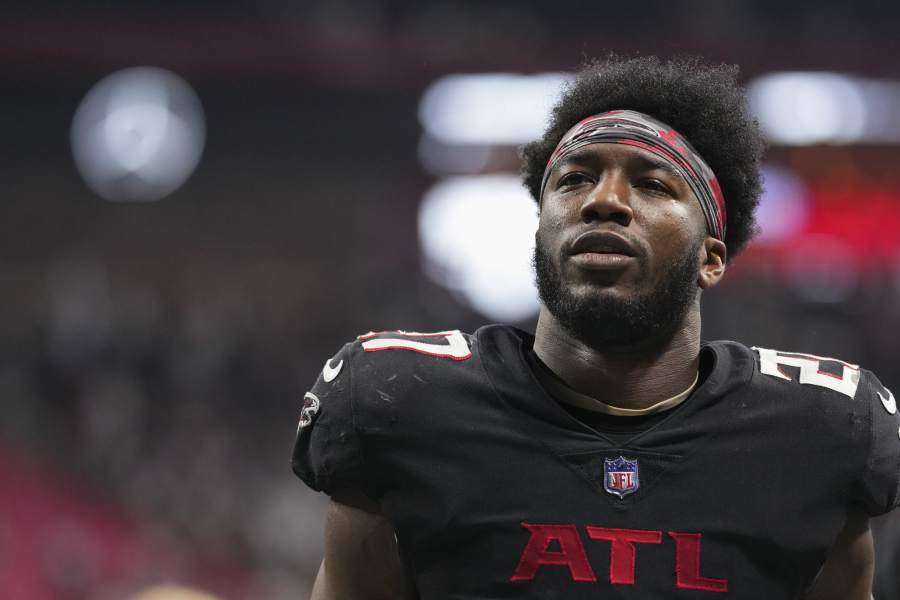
{"x":642,"y":131}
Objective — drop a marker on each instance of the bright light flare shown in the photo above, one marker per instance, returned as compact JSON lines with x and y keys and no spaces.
{"x":138,"y":134}
{"x":477,"y":238}
{"x":805,"y":108}
{"x":491,"y":108}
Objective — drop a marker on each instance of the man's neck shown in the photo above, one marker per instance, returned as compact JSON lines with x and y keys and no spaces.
{"x":630,"y":376}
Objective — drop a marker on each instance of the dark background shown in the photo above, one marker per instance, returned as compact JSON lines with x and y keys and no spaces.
{"x":152,"y":354}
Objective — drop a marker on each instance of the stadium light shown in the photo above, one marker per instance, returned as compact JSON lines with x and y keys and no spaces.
{"x":489,"y":109}
{"x":794,"y":108}
{"x":138,"y":134}
{"x":477,"y":238}
{"x":804,"y":108}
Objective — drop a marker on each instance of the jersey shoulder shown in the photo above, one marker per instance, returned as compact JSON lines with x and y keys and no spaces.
{"x":840,"y":396}
{"x":393,"y":362}
{"x":363,"y":388}
{"x":808,"y":374}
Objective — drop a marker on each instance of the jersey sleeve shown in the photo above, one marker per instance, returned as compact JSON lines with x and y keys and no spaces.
{"x":881,"y":478}
{"x":327,"y":452}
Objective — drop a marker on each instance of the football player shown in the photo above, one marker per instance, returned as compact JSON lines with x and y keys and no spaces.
{"x":612,"y":454}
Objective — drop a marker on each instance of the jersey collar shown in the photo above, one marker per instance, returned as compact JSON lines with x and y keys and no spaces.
{"x":504,"y":349}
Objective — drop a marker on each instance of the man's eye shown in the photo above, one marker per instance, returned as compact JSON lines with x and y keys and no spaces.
{"x":574,"y":178}
{"x":654,"y":185}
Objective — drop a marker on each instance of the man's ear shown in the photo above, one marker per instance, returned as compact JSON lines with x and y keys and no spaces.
{"x":713,"y":256}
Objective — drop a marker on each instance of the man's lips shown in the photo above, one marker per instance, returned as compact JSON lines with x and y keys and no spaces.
{"x":602,"y":242}
{"x":601,"y":260}
{"x":601,"y":250}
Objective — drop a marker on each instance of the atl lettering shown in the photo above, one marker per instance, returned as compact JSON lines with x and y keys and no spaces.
{"x":623,"y":551}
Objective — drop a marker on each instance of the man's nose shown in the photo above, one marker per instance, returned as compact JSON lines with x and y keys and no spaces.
{"x":610,"y":200}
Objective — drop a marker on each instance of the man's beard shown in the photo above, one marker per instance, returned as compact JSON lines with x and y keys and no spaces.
{"x":600,"y":320}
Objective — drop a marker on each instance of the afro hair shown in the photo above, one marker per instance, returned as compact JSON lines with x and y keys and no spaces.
{"x":704,"y":103}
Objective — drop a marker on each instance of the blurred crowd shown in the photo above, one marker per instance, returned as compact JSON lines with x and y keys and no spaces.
{"x":180,"y":416}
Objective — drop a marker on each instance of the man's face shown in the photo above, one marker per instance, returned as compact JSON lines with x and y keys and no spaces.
{"x":619,"y":246}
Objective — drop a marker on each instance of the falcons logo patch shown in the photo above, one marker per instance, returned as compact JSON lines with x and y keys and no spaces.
{"x":311,"y":404}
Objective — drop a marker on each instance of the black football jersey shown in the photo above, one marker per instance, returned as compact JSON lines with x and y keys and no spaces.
{"x":496,"y":491}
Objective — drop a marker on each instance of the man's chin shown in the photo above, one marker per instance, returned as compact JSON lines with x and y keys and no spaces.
{"x":575,"y":274}
{"x":616,"y":306}
{"x":602,"y":289}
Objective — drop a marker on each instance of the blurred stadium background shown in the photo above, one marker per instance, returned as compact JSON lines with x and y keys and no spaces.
{"x":179,"y":259}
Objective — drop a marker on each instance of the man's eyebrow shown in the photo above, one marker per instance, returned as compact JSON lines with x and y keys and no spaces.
{"x":649,"y":163}
{"x":578,"y":157}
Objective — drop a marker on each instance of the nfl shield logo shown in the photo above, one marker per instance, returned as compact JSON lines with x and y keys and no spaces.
{"x":620,"y":476}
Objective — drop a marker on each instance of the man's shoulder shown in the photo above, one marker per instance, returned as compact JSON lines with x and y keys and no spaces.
{"x":394,"y":361}
{"x":830,"y":394}
{"x":794,"y":372}
{"x":850,"y":409}
{"x":388,"y":390}
{"x":812,"y":385}
{"x":832,"y":412}
{"x":810,"y":375}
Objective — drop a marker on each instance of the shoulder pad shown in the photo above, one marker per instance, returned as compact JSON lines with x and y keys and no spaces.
{"x":878,"y":488}
{"x":358,"y":390}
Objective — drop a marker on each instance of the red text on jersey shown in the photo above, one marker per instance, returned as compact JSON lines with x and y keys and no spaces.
{"x":569,"y":552}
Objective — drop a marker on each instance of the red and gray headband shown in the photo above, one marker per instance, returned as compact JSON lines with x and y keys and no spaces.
{"x":642,"y":131}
